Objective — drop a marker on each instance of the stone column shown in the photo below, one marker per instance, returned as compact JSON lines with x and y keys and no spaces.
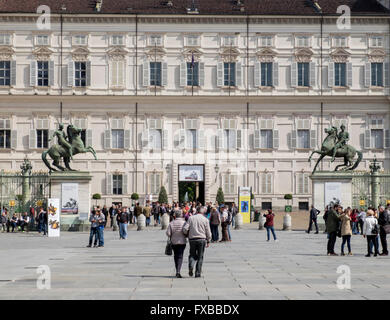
{"x":164,"y":221}
{"x":374,"y":166}
{"x":239,"y":221}
{"x":287,"y":222}
{"x":141,"y":222}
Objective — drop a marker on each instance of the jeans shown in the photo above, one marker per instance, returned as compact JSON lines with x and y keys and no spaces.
{"x":147,"y":221}
{"x":382,"y":235}
{"x":273,"y":232}
{"x":355,"y":227}
{"x":93,"y":233}
{"x":372,"y":241}
{"x":311,"y":224}
{"x":123,"y":230}
{"x":197,"y":247}
{"x":228,"y":229}
{"x":214,"y":232}
{"x":346,"y":239}
{"x":376,"y":241}
{"x":361,"y":223}
{"x":101,"y":236}
{"x":178,"y":252}
{"x":42,"y":227}
{"x":233,"y":222}
{"x":332,"y":241}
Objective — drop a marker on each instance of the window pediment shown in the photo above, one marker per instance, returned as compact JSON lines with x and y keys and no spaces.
{"x":80,"y":54}
{"x":340,"y":55}
{"x":230,"y":54}
{"x":377,"y":55}
{"x":156,"y":52}
{"x":42,"y":53}
{"x":117,"y":53}
{"x":266,"y":55}
{"x":6,"y":52}
{"x":303,"y":55}
{"x":192,"y":52}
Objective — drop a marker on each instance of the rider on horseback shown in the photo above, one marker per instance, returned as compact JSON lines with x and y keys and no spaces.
{"x":61,"y":137}
{"x":342,"y":139}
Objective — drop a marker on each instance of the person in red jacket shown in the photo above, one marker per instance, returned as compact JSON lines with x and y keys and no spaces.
{"x":269,"y":224}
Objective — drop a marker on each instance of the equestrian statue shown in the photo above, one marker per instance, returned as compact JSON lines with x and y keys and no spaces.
{"x":69,"y":144}
{"x":335,"y":146}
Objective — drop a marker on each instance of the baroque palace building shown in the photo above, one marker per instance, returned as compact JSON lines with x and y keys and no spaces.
{"x":241,"y":89}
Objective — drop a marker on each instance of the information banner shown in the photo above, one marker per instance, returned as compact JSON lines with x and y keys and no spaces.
{"x":191,"y":173}
{"x":70,"y":198}
{"x":53,"y":217}
{"x":244,"y":203}
{"x":332,"y":192}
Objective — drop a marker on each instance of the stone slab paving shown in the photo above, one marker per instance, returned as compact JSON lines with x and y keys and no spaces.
{"x":294,"y":268}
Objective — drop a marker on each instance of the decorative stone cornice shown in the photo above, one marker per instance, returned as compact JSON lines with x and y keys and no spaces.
{"x":42,"y":53}
{"x":230,"y":54}
{"x":188,"y":53}
{"x":303,"y":55}
{"x":6,"y":52}
{"x":266,"y":55}
{"x":340,"y":55}
{"x":377,"y":55}
{"x":117,"y":53}
{"x":156,"y":53}
{"x":80,"y":54}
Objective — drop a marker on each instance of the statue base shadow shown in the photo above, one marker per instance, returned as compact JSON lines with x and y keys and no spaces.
{"x":75,"y":185}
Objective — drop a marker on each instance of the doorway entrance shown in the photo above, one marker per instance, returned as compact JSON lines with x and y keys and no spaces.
{"x":191,"y":183}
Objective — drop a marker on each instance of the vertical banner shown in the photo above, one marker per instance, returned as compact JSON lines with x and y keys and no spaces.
{"x":53,"y":217}
{"x":70,"y":198}
{"x":244,"y":203}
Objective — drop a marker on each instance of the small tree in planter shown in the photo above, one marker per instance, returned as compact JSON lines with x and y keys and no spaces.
{"x":134,"y":196}
{"x":163,"y":197}
{"x":96,"y":196}
{"x":220,"y":196}
{"x":288,"y":207}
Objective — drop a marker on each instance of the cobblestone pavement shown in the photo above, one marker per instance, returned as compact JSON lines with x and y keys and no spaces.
{"x":296,"y":267}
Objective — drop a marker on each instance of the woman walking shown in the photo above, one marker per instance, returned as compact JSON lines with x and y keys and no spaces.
{"x":346,"y":231}
{"x":178,"y":239}
{"x":224,"y":224}
{"x":369,"y":228}
{"x":269,"y":224}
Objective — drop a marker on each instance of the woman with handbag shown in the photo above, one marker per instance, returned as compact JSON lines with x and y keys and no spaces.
{"x":346,"y":231}
{"x":178,"y":240}
{"x":370,"y":231}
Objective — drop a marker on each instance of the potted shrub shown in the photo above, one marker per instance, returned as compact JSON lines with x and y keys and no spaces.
{"x":220,"y":196}
{"x":96,"y":196}
{"x":288,"y":206}
{"x":162,"y":196}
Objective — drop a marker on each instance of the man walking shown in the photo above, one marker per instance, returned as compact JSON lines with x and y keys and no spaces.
{"x":105,"y":213}
{"x":332,"y":225}
{"x":94,"y":219}
{"x":137,"y":212}
{"x":198,"y":230}
{"x":42,"y":218}
{"x":101,"y":219}
{"x":234,"y":212}
{"x":147,"y":212}
{"x":313,"y":218}
{"x":123,"y":220}
{"x":215,"y":221}
{"x":384,"y":219}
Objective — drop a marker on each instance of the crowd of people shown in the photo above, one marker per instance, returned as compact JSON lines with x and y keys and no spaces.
{"x":23,"y":222}
{"x":373,"y":224}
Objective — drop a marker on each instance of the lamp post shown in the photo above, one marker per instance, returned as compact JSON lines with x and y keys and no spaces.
{"x":374,"y":167}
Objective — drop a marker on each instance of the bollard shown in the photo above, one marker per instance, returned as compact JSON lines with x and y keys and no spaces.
{"x":261,"y":222}
{"x":239,"y":221}
{"x":114,"y":223}
{"x":141,"y":222}
{"x":164,"y":221}
{"x":287,"y":222}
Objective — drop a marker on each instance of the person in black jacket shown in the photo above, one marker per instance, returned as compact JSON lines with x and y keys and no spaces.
{"x":42,"y":218}
{"x":123,"y":220}
{"x":313,"y":218}
{"x":384,"y":219}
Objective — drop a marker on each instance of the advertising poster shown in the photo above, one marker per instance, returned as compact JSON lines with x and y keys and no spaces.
{"x":191,"y":173}
{"x":332,"y":192}
{"x":70,"y":198}
{"x":53,"y":217}
{"x":244,"y":203}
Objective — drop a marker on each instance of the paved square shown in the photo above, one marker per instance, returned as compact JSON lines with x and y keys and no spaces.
{"x":296,"y":267}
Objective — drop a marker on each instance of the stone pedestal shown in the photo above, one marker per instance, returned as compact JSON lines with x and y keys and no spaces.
{"x":164,"y":221}
{"x":141,"y":222}
{"x":261,"y":222}
{"x":287,"y":222}
{"x":239,"y":221}
{"x":79,"y":221}
{"x":327,"y":185}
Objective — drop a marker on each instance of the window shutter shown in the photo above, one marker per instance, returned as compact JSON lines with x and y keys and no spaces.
{"x":124,"y":183}
{"x":121,"y":73}
{"x":387,"y":74}
{"x":33,"y":73}
{"x":367,"y":75}
{"x":387,"y":139}
{"x":88,"y":74}
{"x":164,"y":74}
{"x":331,"y":75}
{"x":108,"y":183}
{"x":257,"y":140}
{"x":312,"y":74}
{"x":220,"y":74}
{"x":182,"y":138}
{"x":238,"y":74}
{"x":239,"y":139}
{"x":294,"y":139}
{"x":221,"y":139}
{"x":313,"y":139}
{"x":13,"y":73}
{"x":183,"y":74}
{"x":269,"y":182}
{"x":51,"y":73}
{"x":349,"y":74}
{"x":70,"y":74}
{"x":32,"y":139}
{"x":107,"y":139}
{"x":52,"y":142}
{"x":305,"y":183}
{"x":145,"y":139}
{"x":367,"y":139}
{"x":201,"y":139}
{"x":257,"y":74}
{"x":275,"y":136}
{"x":264,"y":183}
{"x":14,"y":139}
{"x":294,"y":75}
{"x":201,"y":74}
{"x":165,"y":139}
{"x":146,"y":74}
{"x":275,"y":74}
{"x":112,"y":73}
{"x":127,"y":139}
{"x":88,"y":138}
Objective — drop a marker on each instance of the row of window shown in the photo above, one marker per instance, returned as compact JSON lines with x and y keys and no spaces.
{"x":192,"y":139}
{"x":117,"y":184}
{"x":300,"y":41}
{"x":303,"y":74}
